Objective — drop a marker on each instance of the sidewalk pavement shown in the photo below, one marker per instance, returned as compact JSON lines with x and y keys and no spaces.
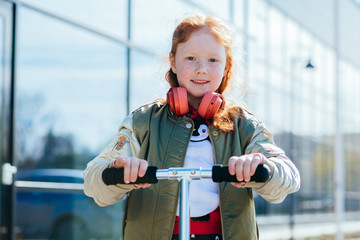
{"x":306,"y":226}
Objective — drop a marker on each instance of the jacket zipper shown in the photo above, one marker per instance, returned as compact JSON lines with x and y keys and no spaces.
{"x":218,"y":185}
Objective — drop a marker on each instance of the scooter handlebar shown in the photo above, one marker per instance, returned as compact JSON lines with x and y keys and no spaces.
{"x":112,"y":176}
{"x":221,"y":174}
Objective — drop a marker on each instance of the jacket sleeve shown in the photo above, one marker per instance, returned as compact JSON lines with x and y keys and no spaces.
{"x":124,"y":144}
{"x":284,"y":176}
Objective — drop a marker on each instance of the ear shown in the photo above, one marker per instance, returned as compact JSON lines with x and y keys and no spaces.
{"x":172,"y":62}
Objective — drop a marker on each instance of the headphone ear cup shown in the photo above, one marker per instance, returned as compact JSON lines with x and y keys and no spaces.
{"x":177,"y":99}
{"x":170,"y":99}
{"x":210,"y":104}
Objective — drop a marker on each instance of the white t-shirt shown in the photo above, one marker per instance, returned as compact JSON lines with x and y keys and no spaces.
{"x":204,"y":196}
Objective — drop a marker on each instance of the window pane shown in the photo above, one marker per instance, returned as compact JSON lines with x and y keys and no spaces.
{"x":71,"y":98}
{"x":109,"y":15}
{"x":276,"y":37}
{"x":70,"y":90}
{"x":147,"y":79}
{"x":154,"y":31}
{"x":257,"y":29}
{"x":212,"y":7}
{"x":239,"y":7}
{"x":291,"y":42}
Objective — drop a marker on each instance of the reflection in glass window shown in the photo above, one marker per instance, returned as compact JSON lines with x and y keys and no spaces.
{"x":147,"y":79}
{"x":291,"y":41}
{"x":349,"y":100}
{"x":276,"y":77}
{"x":152,"y":29}
{"x":71,"y":94}
{"x":258,"y":100}
{"x":109,"y":16}
{"x":239,"y":90}
{"x":276,"y":37}
{"x":257,"y":19}
{"x":214,"y":7}
{"x":277,"y":115}
{"x":71,"y":98}
{"x":61,"y":213}
{"x":239,"y":7}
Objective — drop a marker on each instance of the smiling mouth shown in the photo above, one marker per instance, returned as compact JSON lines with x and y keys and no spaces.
{"x":200,"y":81}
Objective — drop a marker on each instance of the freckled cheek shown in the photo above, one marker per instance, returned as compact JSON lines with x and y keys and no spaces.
{"x":185,"y":69}
{"x":217,"y":72}
{"x":183,"y":73}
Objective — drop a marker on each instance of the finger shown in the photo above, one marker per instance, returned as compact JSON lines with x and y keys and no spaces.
{"x":145,"y":185}
{"x":134,"y":170}
{"x":262,"y":158}
{"x":246,"y":168}
{"x":239,"y":170}
{"x":238,"y":184}
{"x":232,"y":162}
{"x":142,"y":185}
{"x":127,"y":171}
{"x":255,"y":163}
{"x":119,"y":162}
{"x":142,"y":168}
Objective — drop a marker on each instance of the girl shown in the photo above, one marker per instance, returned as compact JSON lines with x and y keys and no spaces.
{"x":179,"y":132}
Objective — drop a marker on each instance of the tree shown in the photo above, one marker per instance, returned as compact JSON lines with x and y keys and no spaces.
{"x":58,"y":151}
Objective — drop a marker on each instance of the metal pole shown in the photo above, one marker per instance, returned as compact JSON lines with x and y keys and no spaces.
{"x":184,"y":175}
{"x":339,"y":144}
{"x":128,"y":60}
{"x":184,"y":209}
{"x":12,"y":131}
{"x":246,"y":50}
{"x":292,"y":138}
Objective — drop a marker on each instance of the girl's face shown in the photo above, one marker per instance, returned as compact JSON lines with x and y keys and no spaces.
{"x":199,"y":64}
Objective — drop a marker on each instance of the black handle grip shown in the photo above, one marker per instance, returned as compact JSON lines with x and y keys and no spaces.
{"x":221,"y":174}
{"x":112,"y":176}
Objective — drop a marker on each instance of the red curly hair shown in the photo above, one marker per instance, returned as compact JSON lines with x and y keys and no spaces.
{"x":224,"y":118}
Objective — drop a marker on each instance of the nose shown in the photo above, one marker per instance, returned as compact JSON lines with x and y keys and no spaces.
{"x":201,"y":67}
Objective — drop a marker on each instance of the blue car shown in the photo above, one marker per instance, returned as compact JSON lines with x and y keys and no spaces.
{"x":50,"y":204}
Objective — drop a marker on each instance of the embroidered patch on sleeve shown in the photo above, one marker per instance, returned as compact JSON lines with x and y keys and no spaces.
{"x":120,"y":143}
{"x":270,"y":148}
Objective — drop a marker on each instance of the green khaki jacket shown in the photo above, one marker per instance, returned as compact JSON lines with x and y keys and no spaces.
{"x":153,"y":133}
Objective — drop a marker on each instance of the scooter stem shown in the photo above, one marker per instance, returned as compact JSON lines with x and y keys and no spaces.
{"x":184,"y":209}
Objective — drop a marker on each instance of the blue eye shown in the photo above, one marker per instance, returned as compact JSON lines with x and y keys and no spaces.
{"x":212,"y":60}
{"x":191,"y":58}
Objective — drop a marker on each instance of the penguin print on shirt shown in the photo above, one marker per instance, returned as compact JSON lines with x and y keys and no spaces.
{"x":203,"y":197}
{"x":200,"y":132}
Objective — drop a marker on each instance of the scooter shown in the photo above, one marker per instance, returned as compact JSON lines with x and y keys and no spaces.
{"x":218,"y":173}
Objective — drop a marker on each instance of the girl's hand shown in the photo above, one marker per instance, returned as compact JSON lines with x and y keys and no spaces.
{"x":133,"y":168}
{"x":244,"y":167}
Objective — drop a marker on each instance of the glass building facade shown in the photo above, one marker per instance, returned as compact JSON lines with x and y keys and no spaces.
{"x":70,"y":71}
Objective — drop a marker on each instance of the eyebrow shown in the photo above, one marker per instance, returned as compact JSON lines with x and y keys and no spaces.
{"x":212,"y":55}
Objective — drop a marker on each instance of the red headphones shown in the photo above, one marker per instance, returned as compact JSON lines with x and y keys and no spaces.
{"x":210,"y":103}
